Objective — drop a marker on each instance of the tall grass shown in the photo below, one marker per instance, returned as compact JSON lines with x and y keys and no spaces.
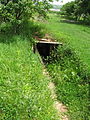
{"x":71,"y":78}
{"x":24,"y":93}
{"x":69,"y":65}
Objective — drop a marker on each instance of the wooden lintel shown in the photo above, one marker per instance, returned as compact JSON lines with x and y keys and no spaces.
{"x":46,"y":42}
{"x":46,"y":47}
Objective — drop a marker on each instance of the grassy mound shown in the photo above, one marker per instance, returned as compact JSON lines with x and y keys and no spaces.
{"x":24,"y":93}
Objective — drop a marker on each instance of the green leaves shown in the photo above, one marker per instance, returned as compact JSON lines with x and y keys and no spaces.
{"x":15,"y":10}
{"x":78,"y":9}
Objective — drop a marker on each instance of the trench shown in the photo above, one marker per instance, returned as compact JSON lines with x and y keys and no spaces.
{"x":45,"y":48}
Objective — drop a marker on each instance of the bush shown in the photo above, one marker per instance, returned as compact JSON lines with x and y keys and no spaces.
{"x":78,"y":9}
{"x":16,"y":11}
{"x":68,"y":9}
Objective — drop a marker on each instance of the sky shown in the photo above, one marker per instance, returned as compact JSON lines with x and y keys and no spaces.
{"x":61,"y":3}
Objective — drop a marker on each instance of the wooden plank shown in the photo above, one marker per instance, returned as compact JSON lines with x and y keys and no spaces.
{"x":46,"y":42}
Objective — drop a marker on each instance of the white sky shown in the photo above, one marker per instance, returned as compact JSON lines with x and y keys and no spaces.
{"x":61,"y":3}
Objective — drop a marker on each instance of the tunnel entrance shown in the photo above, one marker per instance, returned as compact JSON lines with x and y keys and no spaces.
{"x":45,"y":48}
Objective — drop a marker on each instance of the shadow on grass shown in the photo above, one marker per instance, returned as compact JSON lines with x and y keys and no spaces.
{"x":65,"y":19}
{"x":70,"y":21}
{"x":26,"y":30}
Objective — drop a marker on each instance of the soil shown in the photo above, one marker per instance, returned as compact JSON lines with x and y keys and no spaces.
{"x":60,"y":107}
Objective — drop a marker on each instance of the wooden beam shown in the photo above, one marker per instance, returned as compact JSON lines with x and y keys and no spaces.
{"x":45,"y":47}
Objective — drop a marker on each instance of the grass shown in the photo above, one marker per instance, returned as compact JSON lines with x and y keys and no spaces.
{"x":24,"y":93}
{"x":69,"y":65}
{"x":70,"y":78}
{"x":78,"y":36}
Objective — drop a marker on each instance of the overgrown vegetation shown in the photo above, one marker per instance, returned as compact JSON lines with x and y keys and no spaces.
{"x":24,"y":93}
{"x":16,"y":12}
{"x":78,"y":10}
{"x":72,"y":82}
{"x":67,"y":65}
{"x":72,"y":33}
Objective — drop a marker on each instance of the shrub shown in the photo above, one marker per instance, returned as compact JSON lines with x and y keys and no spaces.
{"x":78,"y":9}
{"x":16,"y":11}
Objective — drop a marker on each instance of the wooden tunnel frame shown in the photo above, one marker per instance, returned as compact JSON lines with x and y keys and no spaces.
{"x":44,"y":47}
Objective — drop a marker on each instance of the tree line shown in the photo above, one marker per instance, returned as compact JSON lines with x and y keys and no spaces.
{"x":78,"y":9}
{"x":17,"y":11}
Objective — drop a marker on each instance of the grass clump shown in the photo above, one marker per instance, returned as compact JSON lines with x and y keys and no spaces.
{"x":71,"y":78}
{"x":24,"y":93}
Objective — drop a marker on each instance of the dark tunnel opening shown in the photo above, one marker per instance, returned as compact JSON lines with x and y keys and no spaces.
{"x":45,"y":48}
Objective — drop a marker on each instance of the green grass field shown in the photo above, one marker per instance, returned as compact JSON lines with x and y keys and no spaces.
{"x":78,"y":36}
{"x":24,"y":92}
{"x":67,"y":68}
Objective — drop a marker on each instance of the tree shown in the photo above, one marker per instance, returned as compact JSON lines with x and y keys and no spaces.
{"x":82,"y":9}
{"x":68,"y":8}
{"x":16,"y":11}
{"x":78,"y":9}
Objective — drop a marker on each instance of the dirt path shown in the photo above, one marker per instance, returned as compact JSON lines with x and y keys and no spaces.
{"x":61,"y":109}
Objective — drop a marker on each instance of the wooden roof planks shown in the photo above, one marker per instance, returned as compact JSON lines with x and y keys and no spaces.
{"x":46,"y":45}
